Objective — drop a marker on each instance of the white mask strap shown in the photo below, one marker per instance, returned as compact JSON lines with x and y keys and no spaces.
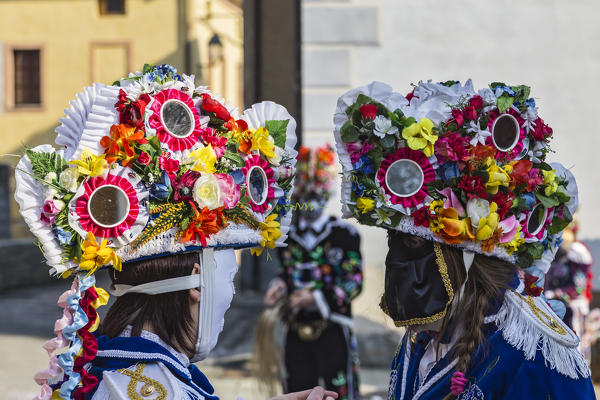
{"x":468,"y":257}
{"x":158,"y":287}
{"x":207,"y":300}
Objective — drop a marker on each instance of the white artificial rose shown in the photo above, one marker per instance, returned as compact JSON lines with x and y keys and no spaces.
{"x":49,"y":193}
{"x":477,"y":208}
{"x":68,"y":179}
{"x":206,"y":192}
{"x":383,"y":126}
{"x":276,"y":160}
{"x":50,"y":176}
{"x":59,"y":204}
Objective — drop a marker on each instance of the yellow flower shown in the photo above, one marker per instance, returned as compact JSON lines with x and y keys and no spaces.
{"x":204,"y":159}
{"x":365,"y":204}
{"x":90,"y":164}
{"x":515,"y":243}
{"x":551,"y":182}
{"x":497,"y":176}
{"x":270,"y":232}
{"x":488,"y":225}
{"x":436,"y":225}
{"x":419,"y":136}
{"x":437,"y":206}
{"x":94,"y":256}
{"x":262,"y":142}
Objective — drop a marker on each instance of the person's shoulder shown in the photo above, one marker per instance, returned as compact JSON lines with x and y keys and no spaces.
{"x":142,"y":380}
{"x":532,"y":332}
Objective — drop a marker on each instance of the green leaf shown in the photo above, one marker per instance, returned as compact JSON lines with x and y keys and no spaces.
{"x":43,"y":163}
{"x":494,"y":85}
{"x":504,"y":102}
{"x":558,"y":224}
{"x":524,"y":260}
{"x":536,"y":250}
{"x":154,"y":142}
{"x":561,"y":195}
{"x":547,"y":201}
{"x":277,"y":130}
{"x":147,"y":68}
{"x":349,"y":133}
{"x":147,"y":148}
{"x":522,"y":92}
{"x":485,"y":176}
{"x":388,"y":141}
{"x":235,"y":158}
{"x":117,"y":83}
{"x":544,"y":166}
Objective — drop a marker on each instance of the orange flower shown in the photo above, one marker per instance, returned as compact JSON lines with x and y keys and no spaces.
{"x":489,"y":244}
{"x":482,"y":152}
{"x":119,"y":144}
{"x":303,"y":154}
{"x":325,"y":155}
{"x":453,"y":229}
{"x":205,"y":223}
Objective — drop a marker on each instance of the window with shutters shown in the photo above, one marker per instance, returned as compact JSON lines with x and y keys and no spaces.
{"x":111,"y":7}
{"x":27,"y":79}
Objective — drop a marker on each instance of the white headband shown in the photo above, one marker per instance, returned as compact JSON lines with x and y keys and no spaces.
{"x":157,"y":287}
{"x":468,"y":257}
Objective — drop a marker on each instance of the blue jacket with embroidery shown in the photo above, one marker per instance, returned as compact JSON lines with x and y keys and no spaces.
{"x":500,"y":370}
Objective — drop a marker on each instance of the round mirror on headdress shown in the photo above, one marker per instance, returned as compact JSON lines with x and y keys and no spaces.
{"x":537,"y":219}
{"x":108,"y":206}
{"x":177,"y":118}
{"x":404,"y":178}
{"x":505,"y":132}
{"x":258,"y":185}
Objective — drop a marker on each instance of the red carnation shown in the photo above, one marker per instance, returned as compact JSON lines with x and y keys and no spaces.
{"x":132,"y":112}
{"x":144,"y":158}
{"x":458,"y":117}
{"x":541,"y":131}
{"x":470,"y":113}
{"x":504,"y":201}
{"x":212,"y":106}
{"x":168,"y":164}
{"x":368,"y":111}
{"x":476,"y":102}
{"x":421,"y":217}
{"x":473,"y":186}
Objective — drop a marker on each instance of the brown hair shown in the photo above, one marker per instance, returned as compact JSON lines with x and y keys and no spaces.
{"x":487,"y":280}
{"x":167,"y":314}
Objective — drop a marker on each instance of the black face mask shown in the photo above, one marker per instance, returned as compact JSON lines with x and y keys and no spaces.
{"x":417,"y":286}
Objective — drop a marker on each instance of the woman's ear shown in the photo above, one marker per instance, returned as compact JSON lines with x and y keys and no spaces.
{"x":195,"y":293}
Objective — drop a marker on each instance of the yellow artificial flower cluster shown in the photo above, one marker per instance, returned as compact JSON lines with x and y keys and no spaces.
{"x":419,"y":136}
{"x":96,"y":255}
{"x":90,"y":164}
{"x":365,"y":204}
{"x":204,"y":159}
{"x":515,"y":243}
{"x":270,"y":232}
{"x":550,"y":181}
{"x":261,"y":141}
{"x":497,"y":176}
{"x":488,"y":225}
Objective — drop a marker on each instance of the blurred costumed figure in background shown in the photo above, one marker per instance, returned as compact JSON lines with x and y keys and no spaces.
{"x":320,"y":275}
{"x":570,"y":280}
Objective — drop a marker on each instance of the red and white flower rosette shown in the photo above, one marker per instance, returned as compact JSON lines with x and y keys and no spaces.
{"x":252,"y":162}
{"x":156,"y":122}
{"x":85,"y":214}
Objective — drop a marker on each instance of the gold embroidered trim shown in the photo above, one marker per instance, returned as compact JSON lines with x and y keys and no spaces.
{"x":149,"y":387}
{"x":443,"y":269}
{"x":546,"y":319}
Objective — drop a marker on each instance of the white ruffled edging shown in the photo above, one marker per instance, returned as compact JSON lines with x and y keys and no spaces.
{"x":526,"y":331}
{"x":29,"y":195}
{"x":433,"y":100}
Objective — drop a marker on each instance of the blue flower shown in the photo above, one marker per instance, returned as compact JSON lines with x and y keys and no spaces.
{"x":358,"y":188}
{"x":283,"y":204}
{"x":529,"y":199}
{"x":448,"y":171}
{"x":530,"y":103}
{"x":161,"y":191}
{"x":364,"y":165}
{"x":163,"y":73}
{"x":506,"y":89}
{"x":64,"y":237}
{"x":238,"y":176}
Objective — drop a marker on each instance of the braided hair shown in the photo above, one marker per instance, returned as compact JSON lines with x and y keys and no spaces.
{"x":487,"y":280}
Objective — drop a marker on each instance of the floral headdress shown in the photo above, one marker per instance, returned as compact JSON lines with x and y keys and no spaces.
{"x":456,"y":166}
{"x":314,"y":172}
{"x":150,"y":166}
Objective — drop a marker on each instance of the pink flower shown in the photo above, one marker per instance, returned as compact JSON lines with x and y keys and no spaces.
{"x":50,"y":210}
{"x":182,"y":188}
{"x":144,"y":158}
{"x":452,"y":201}
{"x":166,"y":163}
{"x":368,"y":111}
{"x":218,"y":142}
{"x":509,"y":229}
{"x":458,"y":117}
{"x":451,"y":147}
{"x":367,"y":147}
{"x":354,"y":149}
{"x":230,"y":191}
{"x":470,"y":113}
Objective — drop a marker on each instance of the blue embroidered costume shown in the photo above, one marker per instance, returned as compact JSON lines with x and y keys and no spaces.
{"x":145,"y":365}
{"x":524,"y":357}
